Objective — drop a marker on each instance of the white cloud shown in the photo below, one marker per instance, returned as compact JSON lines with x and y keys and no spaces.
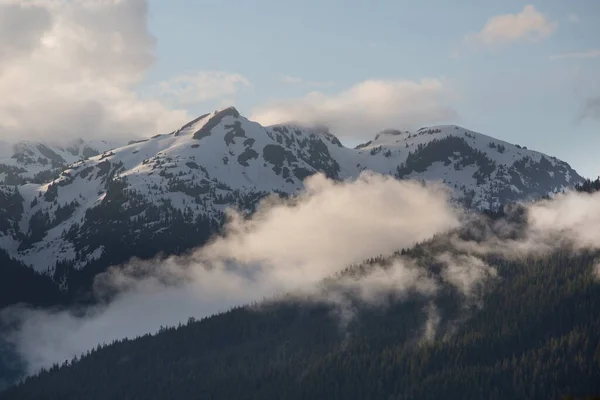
{"x":201,"y":86}
{"x":528,"y":25}
{"x":466,"y":272}
{"x":592,"y":53}
{"x":71,"y":68}
{"x":292,"y":245}
{"x":568,"y":220}
{"x":333,"y":225}
{"x":574,"y":216}
{"x":366,"y":107}
{"x":288,"y":245}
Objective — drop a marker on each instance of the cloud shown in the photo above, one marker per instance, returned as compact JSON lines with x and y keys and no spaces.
{"x":201,"y":86}
{"x":6,"y":149}
{"x":432,"y":324}
{"x":593,"y":53}
{"x":63,"y":334}
{"x":294,"y":80}
{"x":466,"y":272}
{"x":294,"y":245}
{"x":23,"y":24}
{"x":366,"y":107}
{"x":71,"y":69}
{"x":568,"y":221}
{"x":333,"y":225}
{"x":287,"y":246}
{"x":574,"y":216}
{"x":529,"y":25}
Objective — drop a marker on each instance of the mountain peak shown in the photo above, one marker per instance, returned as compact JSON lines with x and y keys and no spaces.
{"x":214,"y":119}
{"x":231,"y":111}
{"x":202,"y":125}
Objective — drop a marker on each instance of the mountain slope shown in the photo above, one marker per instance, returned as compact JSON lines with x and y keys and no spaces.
{"x":535,"y":335}
{"x":169,"y":193}
{"x":484,"y":171}
{"x":39,"y":162}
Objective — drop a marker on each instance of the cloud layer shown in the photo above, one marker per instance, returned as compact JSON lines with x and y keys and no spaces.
{"x":287,"y":246}
{"x":291,"y":246}
{"x":367,"y":107}
{"x":529,"y":25}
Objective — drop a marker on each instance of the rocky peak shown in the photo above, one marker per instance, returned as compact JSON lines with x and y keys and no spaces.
{"x":212,"y":120}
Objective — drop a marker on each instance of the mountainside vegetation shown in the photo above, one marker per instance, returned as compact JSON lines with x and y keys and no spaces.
{"x":531,"y":333}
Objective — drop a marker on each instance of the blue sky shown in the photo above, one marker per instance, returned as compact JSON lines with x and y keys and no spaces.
{"x":514,"y":90}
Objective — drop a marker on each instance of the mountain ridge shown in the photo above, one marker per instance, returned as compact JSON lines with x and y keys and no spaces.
{"x":29,"y":161}
{"x":173,"y":189}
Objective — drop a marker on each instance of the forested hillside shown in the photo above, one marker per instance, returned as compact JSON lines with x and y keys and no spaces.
{"x":533,"y":332}
{"x":20,"y":284}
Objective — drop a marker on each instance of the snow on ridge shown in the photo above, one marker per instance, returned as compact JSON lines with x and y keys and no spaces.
{"x":403,"y":142}
{"x":225,"y":154}
{"x":25,"y":160}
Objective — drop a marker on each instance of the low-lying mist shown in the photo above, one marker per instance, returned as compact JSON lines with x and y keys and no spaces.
{"x":291,"y":246}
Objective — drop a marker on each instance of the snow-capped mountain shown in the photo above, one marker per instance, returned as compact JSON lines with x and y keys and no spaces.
{"x":169,"y":193}
{"x":27,"y":161}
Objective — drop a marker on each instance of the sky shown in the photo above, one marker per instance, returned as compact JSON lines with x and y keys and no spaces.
{"x":523,"y":71}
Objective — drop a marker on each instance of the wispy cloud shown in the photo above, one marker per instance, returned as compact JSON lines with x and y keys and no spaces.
{"x":201,"y":86}
{"x":590,"y":109}
{"x":529,"y":25}
{"x":294,"y":80}
{"x":366,"y":107}
{"x":290,"y":246}
{"x":287,"y":246}
{"x":592,"y":53}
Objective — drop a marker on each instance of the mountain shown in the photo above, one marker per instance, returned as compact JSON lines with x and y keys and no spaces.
{"x":169,"y":193}
{"x":533,"y":334}
{"x":39,"y":162}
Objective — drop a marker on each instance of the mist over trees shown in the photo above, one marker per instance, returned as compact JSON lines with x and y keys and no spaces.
{"x":531,"y":333}
{"x":537,"y":336}
{"x":534,"y":332}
